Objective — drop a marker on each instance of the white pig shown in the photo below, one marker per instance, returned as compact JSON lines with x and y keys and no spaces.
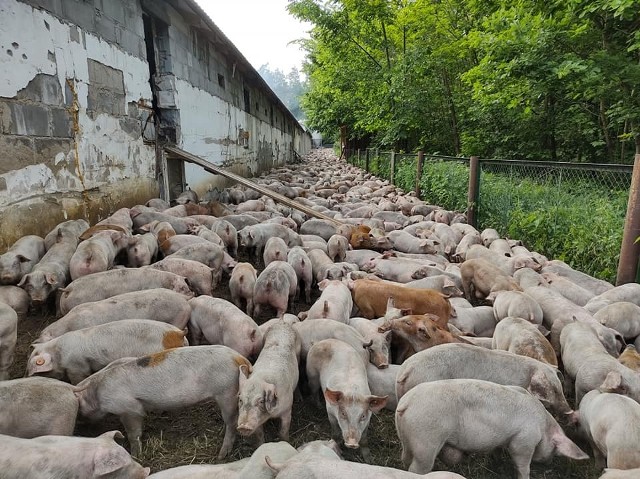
{"x":336,"y":368}
{"x":454,"y":416}
{"x":8,"y":338}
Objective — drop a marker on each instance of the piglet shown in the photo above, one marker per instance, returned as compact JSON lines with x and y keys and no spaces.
{"x":97,"y":253}
{"x":241,"y":284}
{"x":301,"y":263}
{"x":20,"y":258}
{"x":276,"y":286}
{"x":142,"y":250}
{"x":334,"y":303}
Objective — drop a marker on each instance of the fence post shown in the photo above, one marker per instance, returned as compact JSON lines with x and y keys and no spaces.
{"x":630,"y":250}
{"x":473,"y":196}
{"x":419,"y":172}
{"x":392,"y":167}
{"x":366,"y":160}
{"x":358,"y":157}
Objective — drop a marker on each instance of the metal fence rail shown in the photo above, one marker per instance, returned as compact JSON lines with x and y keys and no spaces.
{"x":546,"y":204}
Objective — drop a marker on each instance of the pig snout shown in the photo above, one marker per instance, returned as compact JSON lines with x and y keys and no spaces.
{"x":244,"y":429}
{"x":352,"y":439}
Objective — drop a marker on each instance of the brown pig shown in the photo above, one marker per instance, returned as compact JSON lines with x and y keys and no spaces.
{"x":481,"y":278}
{"x":371,"y":297}
{"x":630,"y":358}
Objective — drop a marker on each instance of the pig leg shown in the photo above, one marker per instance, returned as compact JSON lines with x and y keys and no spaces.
{"x":133,"y":427}
{"x":250,"y":307}
{"x":364,"y":446}
{"x":229,"y":411}
{"x":450,"y":455}
{"x":601,"y":460}
{"x":521,"y":454}
{"x":285,"y":424}
{"x":307,"y":291}
{"x":423,"y":463}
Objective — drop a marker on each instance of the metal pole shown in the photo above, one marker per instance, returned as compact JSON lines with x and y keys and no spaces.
{"x":358,"y":157}
{"x":630,"y":250}
{"x":420,"y":162}
{"x":473,"y":197}
{"x":366,"y":161}
{"x":392,"y":167}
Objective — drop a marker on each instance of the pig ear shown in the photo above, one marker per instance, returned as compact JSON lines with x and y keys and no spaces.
{"x":51,"y":278}
{"x":40,"y":363}
{"x":537,"y":386}
{"x":391,"y":303}
{"x":406,"y":311}
{"x":22,"y":258}
{"x":422,"y":331}
{"x":323,"y":284}
{"x":26,"y":279}
{"x":545,"y":332}
{"x":387,"y":335}
{"x":252,"y":336}
{"x":107,"y":460}
{"x":334,"y":397}
{"x":244,"y":372}
{"x":376,"y":403}
{"x":565,"y":447}
{"x":368,"y":344}
{"x":448,"y":283}
{"x":112,"y":435}
{"x":270,"y":397}
{"x":612,"y":383}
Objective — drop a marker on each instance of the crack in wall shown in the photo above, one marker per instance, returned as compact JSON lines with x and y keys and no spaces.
{"x":74,"y":111}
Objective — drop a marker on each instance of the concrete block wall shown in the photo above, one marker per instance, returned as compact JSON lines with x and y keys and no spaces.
{"x":73,"y":100}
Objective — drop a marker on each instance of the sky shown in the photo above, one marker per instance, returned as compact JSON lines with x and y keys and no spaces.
{"x":261,"y":30}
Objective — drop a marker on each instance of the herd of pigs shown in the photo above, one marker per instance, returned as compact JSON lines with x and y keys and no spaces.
{"x":460,"y":332}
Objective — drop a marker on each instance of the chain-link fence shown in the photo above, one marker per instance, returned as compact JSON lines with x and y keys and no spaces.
{"x":568,"y":211}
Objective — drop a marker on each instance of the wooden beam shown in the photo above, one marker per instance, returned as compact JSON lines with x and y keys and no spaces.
{"x":180,"y":154}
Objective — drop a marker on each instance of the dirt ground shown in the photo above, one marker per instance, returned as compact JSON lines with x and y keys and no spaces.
{"x":194,"y":435}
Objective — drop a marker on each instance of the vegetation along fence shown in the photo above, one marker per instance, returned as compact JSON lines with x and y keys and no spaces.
{"x":574,"y":212}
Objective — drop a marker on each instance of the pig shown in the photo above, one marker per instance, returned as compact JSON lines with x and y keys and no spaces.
{"x":142,"y":217}
{"x":466,"y":242}
{"x":418,"y":332}
{"x":620,"y":474}
{"x":202,"y":279}
{"x":120,"y":219}
{"x":335,"y":302}
{"x":338,"y":271}
{"x":8,"y":338}
{"x":568,"y":289}
{"x":582,"y":341}
{"x":227,"y":232}
{"x":157,"y":203}
{"x":337,"y":247}
{"x":97,"y":253}
{"x":605,"y":373}
{"x":630,"y":358}
{"x":320,"y":263}
{"x":158,"y":304}
{"x":478,"y":321}
{"x":76,"y":355}
{"x":275,"y":250}
{"x":488,"y":236}
{"x":527,"y":278}
{"x":501,"y":246}
{"x":51,"y":273}
{"x":17,"y":298}
{"x":516,"y":304}
{"x":142,"y":250}
{"x":519,"y":336}
{"x":220,"y":322}
{"x":596,"y":286}
{"x":319,"y":227}
{"x":241,"y":221}
{"x":205,"y":233}
{"x":129,"y":388}
{"x":406,"y":243}
{"x":301,"y":264}
{"x":20,"y":259}
{"x":275,"y":286}
{"x":266,"y":392}
{"x":227,"y":470}
{"x":455,"y":416}
{"x":254,"y":238}
{"x":336,"y":368}
{"x":209,"y":254}
{"x":33,"y":407}
{"x":507,"y":265}
{"x":441,"y":283}
{"x":313,"y":466}
{"x":65,"y":232}
{"x":161,"y":230}
{"x":98,"y":286}
{"x":188,"y":196}
{"x":174,"y":243}
{"x":371,"y":298}
{"x":380,"y":341}
{"x":399,"y":270}
{"x":241,"y":284}
{"x":312,"y":332}
{"x":383,"y":383}
{"x":481,"y":278}
{"x":622,"y":316}
{"x":453,"y":361}
{"x":46,"y":457}
{"x":610,"y":423}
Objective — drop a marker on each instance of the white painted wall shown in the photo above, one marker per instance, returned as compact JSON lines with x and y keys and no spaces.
{"x":106,"y":153}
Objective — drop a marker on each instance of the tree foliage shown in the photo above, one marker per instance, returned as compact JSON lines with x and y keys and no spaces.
{"x":289,"y":87}
{"x":527,"y":79}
